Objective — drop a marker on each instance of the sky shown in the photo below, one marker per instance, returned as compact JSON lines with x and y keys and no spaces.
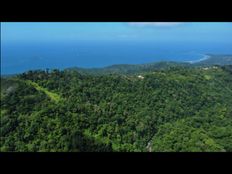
{"x":202,"y":32}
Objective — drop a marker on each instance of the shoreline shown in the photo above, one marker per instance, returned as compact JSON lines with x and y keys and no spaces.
{"x":205,"y":57}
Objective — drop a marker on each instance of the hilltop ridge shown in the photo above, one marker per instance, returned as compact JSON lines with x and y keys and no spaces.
{"x":149,"y":67}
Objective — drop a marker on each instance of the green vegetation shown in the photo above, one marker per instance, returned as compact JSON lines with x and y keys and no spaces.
{"x":176,"y":108}
{"x":181,"y":137}
{"x":213,"y":60}
{"x":55,"y":97}
{"x":216,"y":60}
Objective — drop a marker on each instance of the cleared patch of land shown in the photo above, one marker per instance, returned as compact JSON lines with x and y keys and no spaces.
{"x":54,"y":97}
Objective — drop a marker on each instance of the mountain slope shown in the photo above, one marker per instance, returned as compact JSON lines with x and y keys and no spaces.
{"x":216,"y":60}
{"x":150,"y":67}
{"x":173,"y":109}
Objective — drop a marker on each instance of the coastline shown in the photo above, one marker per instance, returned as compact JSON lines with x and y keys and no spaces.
{"x":205,"y":57}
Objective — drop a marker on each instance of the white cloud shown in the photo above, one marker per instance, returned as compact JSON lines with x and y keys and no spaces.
{"x":156,"y":24}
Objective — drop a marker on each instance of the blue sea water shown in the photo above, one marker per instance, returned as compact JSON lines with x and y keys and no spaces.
{"x":21,"y":57}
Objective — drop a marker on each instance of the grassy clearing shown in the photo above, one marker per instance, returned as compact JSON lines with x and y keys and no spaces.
{"x":54,"y":97}
{"x":207,"y":77}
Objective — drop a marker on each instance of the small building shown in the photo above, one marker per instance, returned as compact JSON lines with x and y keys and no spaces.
{"x":140,"y":77}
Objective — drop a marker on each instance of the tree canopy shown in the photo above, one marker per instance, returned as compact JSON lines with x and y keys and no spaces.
{"x":173,"y":109}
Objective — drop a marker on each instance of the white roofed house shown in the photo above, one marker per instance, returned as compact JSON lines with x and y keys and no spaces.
{"x":141,"y":77}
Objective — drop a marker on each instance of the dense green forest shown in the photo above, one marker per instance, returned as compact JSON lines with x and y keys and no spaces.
{"x":161,"y":107}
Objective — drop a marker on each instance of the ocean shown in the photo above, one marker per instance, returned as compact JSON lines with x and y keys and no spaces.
{"x":21,"y":57}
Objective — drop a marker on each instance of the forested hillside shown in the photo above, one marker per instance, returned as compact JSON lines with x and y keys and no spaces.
{"x":216,"y":60}
{"x":127,"y":69}
{"x":164,"y":109}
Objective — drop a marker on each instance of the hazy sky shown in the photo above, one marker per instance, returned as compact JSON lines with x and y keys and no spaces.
{"x":201,"y":32}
